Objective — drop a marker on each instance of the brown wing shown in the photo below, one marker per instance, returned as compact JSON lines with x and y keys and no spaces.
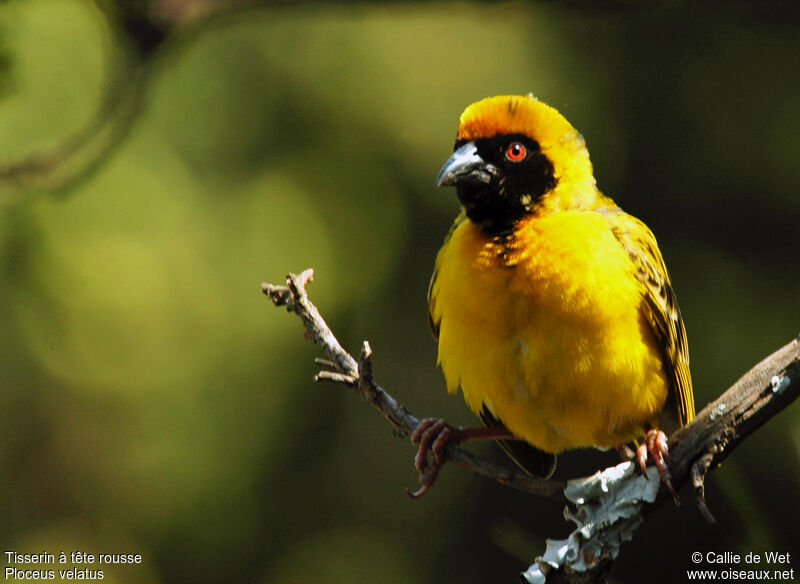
{"x":660,"y":306}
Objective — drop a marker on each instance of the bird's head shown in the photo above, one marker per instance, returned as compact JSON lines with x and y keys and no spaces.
{"x":515,"y":156}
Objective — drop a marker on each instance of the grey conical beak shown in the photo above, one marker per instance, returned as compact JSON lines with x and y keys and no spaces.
{"x":465,"y":166}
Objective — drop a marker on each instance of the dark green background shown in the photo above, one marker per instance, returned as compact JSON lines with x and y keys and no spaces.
{"x":152,"y":401}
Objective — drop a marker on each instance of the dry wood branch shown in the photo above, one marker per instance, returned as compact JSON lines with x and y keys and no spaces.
{"x":358,"y":374}
{"x":769,"y":387}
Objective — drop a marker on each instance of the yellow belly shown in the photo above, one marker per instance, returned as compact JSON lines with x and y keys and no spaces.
{"x":548,"y":333}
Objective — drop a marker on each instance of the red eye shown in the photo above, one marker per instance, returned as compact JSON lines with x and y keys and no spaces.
{"x":516,"y":152}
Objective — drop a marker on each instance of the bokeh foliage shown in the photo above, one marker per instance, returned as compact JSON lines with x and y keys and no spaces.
{"x":153,"y":402}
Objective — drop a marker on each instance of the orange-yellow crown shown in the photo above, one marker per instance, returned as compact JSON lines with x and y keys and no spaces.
{"x":524,"y":114}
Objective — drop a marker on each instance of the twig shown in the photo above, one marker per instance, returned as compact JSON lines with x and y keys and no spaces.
{"x":701,"y":446}
{"x":358,"y":374}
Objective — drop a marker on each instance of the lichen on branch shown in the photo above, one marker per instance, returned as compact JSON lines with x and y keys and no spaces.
{"x":586,"y":556}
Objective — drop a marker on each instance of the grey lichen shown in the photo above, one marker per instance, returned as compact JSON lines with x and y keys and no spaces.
{"x":608,"y":511}
{"x":779,"y":383}
{"x":718,"y":411}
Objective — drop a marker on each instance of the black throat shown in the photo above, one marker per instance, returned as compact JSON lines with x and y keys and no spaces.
{"x":498,"y":206}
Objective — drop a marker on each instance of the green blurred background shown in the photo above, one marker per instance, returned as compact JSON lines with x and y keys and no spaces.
{"x":152,"y":401}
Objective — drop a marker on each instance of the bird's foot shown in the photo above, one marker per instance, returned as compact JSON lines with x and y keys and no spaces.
{"x":434,"y":435}
{"x":655,"y":445}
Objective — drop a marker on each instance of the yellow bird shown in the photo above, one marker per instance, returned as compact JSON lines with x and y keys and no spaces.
{"x":552,"y":307}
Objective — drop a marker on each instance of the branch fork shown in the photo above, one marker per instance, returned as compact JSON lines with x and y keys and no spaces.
{"x":611,"y":503}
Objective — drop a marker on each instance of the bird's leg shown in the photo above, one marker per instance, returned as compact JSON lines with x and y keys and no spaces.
{"x":435,"y":435}
{"x":655,"y":445}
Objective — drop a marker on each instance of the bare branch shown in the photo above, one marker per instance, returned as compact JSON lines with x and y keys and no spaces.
{"x":611,"y":504}
{"x":769,"y":387}
{"x":352,"y":373}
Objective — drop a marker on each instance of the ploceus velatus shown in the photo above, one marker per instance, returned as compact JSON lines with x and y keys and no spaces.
{"x":552,"y":307}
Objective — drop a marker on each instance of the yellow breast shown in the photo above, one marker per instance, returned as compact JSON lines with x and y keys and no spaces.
{"x":546,"y":331}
